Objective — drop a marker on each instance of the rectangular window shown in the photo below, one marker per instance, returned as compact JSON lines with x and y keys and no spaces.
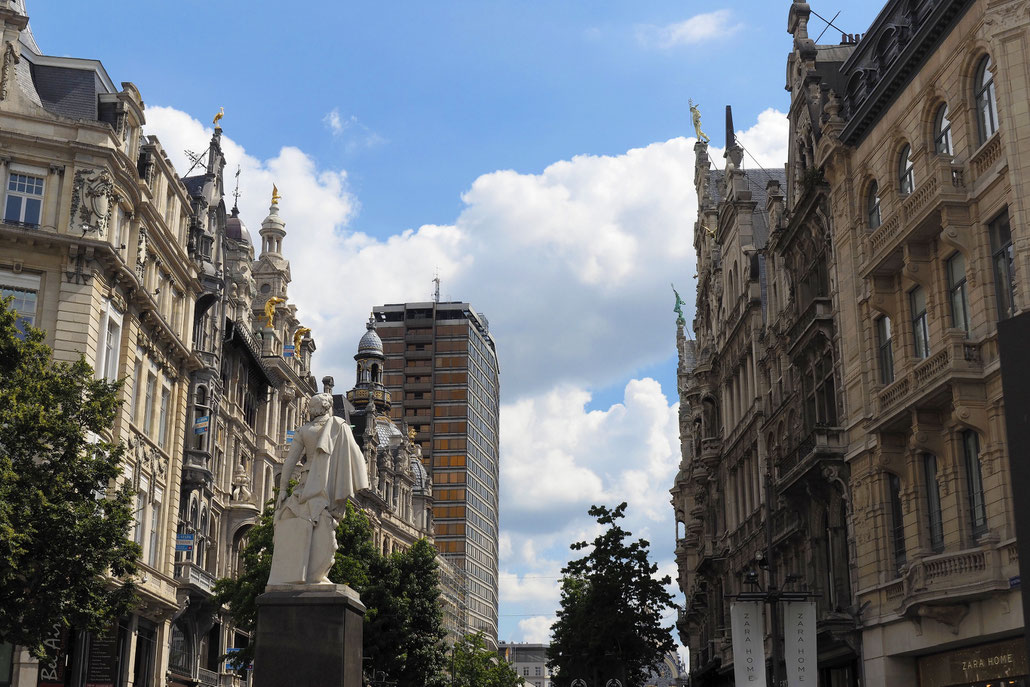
{"x":920,"y":328}
{"x":1002,"y":260}
{"x":974,"y":483}
{"x":155,"y":528}
{"x":148,"y":404}
{"x":957,"y":298}
{"x":933,"y":502}
{"x":897,"y":523}
{"x":22,"y":289}
{"x":137,"y":382}
{"x":886,"y":349}
{"x":24,"y":199}
{"x":162,"y":432}
{"x":138,"y":534}
{"x":111,"y":341}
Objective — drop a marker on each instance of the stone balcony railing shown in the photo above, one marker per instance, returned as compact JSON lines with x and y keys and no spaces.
{"x":188,"y":573}
{"x":820,"y":309}
{"x":957,"y":355}
{"x":984,"y":158}
{"x":821,"y":443}
{"x":946,"y":577}
{"x":945,"y":183}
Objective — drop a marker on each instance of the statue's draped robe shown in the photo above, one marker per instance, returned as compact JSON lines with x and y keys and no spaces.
{"x":328,"y":466}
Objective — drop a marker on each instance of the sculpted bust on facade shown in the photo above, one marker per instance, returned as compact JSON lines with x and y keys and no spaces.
{"x":328,"y":468}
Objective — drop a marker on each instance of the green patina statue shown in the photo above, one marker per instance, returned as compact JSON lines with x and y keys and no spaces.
{"x":678,"y":309}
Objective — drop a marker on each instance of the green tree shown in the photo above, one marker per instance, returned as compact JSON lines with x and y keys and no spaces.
{"x":473,"y":665}
{"x":65,"y":555}
{"x":609,"y":623}
{"x":355,"y":557}
{"x":404,"y":625}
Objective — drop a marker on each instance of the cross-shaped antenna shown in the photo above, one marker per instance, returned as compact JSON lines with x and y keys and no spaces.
{"x":236,"y":191}
{"x":829,"y":23}
{"x":195,"y":159}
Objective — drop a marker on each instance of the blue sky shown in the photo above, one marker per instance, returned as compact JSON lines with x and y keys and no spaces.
{"x":538,"y":155}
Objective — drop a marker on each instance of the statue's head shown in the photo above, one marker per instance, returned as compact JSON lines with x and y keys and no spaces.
{"x":319,"y":405}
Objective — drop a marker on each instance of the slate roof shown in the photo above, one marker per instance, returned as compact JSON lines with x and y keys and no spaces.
{"x":195,"y":185}
{"x":68,"y":92}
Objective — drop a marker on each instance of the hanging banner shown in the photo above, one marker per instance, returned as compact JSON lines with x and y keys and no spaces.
{"x":799,"y":643}
{"x":747,"y":629}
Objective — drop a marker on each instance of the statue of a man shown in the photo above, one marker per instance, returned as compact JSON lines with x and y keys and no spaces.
{"x":328,"y":467}
{"x":695,"y":116}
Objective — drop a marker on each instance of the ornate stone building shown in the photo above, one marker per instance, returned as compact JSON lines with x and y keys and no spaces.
{"x":924,"y":127}
{"x":94,"y":246}
{"x":245,"y":400}
{"x":893,"y":253}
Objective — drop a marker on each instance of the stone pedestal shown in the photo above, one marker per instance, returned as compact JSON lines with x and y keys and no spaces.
{"x":308,"y":636}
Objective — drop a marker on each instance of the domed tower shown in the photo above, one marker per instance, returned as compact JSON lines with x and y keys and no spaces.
{"x":272,"y":270}
{"x":369,"y":393}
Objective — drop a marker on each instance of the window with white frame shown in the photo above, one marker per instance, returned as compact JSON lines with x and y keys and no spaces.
{"x":155,"y":527}
{"x":986,"y":100}
{"x":139,"y":533}
{"x":942,"y":131}
{"x":148,"y":403}
{"x":920,"y":324}
{"x":24,"y":201}
{"x":873,"y":205}
{"x":957,"y":298}
{"x":162,"y":422}
{"x":885,"y":349}
{"x":906,"y":171}
{"x":23,"y":290}
{"x":110,"y":344}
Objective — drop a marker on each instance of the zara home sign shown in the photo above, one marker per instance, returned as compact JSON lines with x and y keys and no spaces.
{"x":747,"y":627}
{"x":799,"y":643}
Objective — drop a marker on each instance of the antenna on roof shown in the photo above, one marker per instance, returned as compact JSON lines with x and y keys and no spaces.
{"x":436,"y":287}
{"x":195,"y":159}
{"x":829,"y":23}
{"x":236,"y":191}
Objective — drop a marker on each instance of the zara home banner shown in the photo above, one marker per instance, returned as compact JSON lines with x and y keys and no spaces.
{"x":747,"y":628}
{"x":799,"y":643}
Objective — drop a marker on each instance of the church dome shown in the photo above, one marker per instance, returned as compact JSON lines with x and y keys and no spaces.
{"x":422,"y":482}
{"x":236,"y":229}
{"x":370,"y":342}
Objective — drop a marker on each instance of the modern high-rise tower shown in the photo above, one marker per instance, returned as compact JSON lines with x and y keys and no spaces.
{"x":441,"y":371}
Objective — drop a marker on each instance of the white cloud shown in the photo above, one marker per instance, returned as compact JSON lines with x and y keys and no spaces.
{"x":697,"y":29}
{"x":355,"y":134}
{"x":536,"y":630}
{"x":572,"y":265}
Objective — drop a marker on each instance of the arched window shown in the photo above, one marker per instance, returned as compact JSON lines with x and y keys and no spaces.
{"x":986,"y":102}
{"x":906,"y":171}
{"x":942,"y":131}
{"x":873,"y":205}
{"x":375,"y":373}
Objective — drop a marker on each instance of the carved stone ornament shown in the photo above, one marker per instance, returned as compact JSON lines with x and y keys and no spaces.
{"x":141,"y":253}
{"x":93,"y":199}
{"x":11,"y":58}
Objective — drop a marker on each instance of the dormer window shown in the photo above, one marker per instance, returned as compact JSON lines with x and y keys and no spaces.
{"x":906,"y":171}
{"x":942,"y":131}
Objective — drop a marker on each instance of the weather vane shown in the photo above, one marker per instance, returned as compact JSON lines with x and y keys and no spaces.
{"x":236,"y":191}
{"x":275,"y":195}
{"x":695,"y":116}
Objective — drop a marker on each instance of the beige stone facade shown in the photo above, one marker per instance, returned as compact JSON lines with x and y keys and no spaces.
{"x":896,"y":247}
{"x":93,"y":247}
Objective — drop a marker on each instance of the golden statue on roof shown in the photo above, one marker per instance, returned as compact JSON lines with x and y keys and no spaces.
{"x":297,"y":336}
{"x":221,"y":113}
{"x":270,"y":309}
{"x":695,"y":116}
{"x":275,"y":195}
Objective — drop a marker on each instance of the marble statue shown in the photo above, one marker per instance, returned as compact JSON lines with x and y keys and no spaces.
{"x":328,"y":468}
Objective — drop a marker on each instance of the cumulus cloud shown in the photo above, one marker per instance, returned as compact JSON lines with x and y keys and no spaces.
{"x":536,"y":630}
{"x":697,"y":29}
{"x":572,"y":265}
